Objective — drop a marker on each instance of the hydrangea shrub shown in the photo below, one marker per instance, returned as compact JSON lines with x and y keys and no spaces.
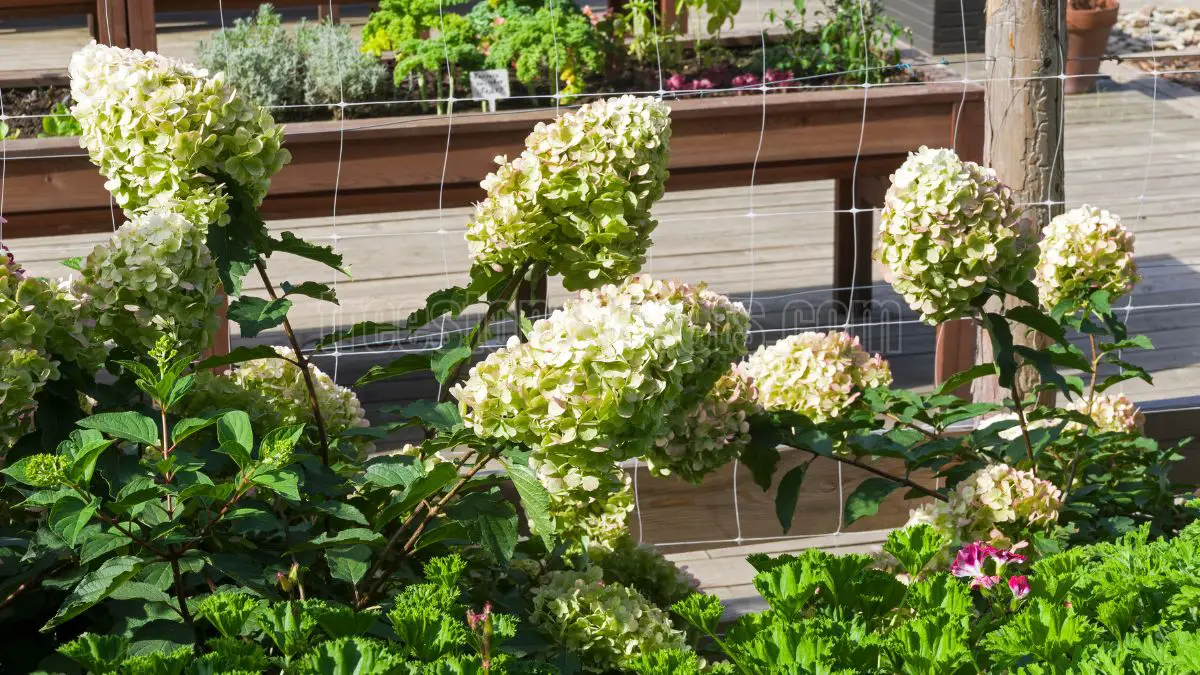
{"x":818,"y":375}
{"x":605,"y":623}
{"x":155,"y":275}
{"x":578,"y":198}
{"x":949,"y":228}
{"x":587,"y":505}
{"x":1082,"y":251}
{"x":160,"y":129}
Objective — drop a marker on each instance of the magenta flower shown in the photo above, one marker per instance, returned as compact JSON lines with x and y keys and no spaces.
{"x":677,"y":82}
{"x":474,"y":620}
{"x":772,"y":75}
{"x":1003,"y":558}
{"x":970,"y":560}
{"x":745,"y":80}
{"x":703,"y":83}
{"x":1019,"y":585}
{"x":985,"y":581}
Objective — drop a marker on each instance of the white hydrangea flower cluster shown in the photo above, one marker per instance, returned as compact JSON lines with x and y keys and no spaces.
{"x":156,"y":126}
{"x":578,"y":198}
{"x":997,"y":504}
{"x":818,"y":375}
{"x":710,"y":434}
{"x":280,"y":385}
{"x":1111,"y":413}
{"x":598,"y":380}
{"x":605,"y":624}
{"x":1082,"y":251}
{"x":41,"y":324}
{"x":644,"y":568}
{"x":154,"y":276}
{"x":585,"y":504}
{"x":949,"y":228}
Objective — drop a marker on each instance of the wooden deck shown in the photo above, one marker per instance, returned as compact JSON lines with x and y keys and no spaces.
{"x":1124,"y":150}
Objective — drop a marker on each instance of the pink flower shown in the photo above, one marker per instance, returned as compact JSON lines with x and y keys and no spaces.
{"x":9,"y":260}
{"x":745,"y":80}
{"x":985,"y":581}
{"x":1003,"y":558}
{"x":1019,"y":585}
{"x":773,"y":75}
{"x":677,"y":82}
{"x":474,"y":620}
{"x":703,"y":83}
{"x":498,"y":21}
{"x":970,"y":560}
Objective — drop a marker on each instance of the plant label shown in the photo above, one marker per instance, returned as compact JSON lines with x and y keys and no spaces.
{"x":489,"y":85}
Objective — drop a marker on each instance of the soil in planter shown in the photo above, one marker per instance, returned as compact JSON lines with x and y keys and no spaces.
{"x":37,"y":101}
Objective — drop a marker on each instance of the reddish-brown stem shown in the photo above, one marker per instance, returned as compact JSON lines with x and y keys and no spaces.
{"x":302,"y":363}
{"x":181,"y":595}
{"x":883,"y":474}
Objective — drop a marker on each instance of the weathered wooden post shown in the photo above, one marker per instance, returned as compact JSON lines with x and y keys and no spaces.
{"x":1026,"y":41}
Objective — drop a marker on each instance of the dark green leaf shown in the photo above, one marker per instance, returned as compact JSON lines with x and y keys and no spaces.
{"x":347,"y":537}
{"x":254,"y":315}
{"x":1135,"y":342}
{"x":70,"y":516}
{"x":445,"y":362}
{"x":190,"y":425}
{"x":290,"y":243}
{"x":865,"y":499}
{"x":409,"y":363}
{"x":234,"y":427}
{"x":127,"y":426}
{"x":342,"y":511}
{"x":1034,"y":318}
{"x":100,"y":544}
{"x":364,"y":329}
{"x":1002,"y":347}
{"x":535,"y":501}
{"x":349,"y":564}
{"x":761,"y":458}
{"x":441,"y":416}
{"x":787,"y":493}
{"x":95,"y":587}
{"x":312,"y":289}
{"x":1101,"y":302}
{"x":965,"y":377}
{"x":284,"y":482}
{"x":239,"y":355}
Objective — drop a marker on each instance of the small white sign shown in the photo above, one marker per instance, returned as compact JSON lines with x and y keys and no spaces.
{"x":489,"y":85}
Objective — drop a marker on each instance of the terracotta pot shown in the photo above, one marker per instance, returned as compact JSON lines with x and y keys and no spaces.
{"x":1087,"y":39}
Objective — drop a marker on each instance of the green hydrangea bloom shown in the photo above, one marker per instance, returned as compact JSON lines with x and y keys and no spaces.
{"x":586,"y":504}
{"x":948,"y":229}
{"x":818,"y":375}
{"x":156,"y":126}
{"x":598,"y":381}
{"x":578,"y":198}
{"x":46,"y":470}
{"x":1110,"y":413}
{"x":273,"y":394}
{"x":605,"y":624}
{"x":711,"y":433}
{"x":1082,"y":251}
{"x":154,"y":276}
{"x":23,"y":373}
{"x":644,"y":568}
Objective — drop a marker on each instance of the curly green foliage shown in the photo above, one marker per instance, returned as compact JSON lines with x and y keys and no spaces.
{"x":351,"y":655}
{"x":405,"y":27}
{"x":96,"y":653}
{"x":335,"y":70}
{"x":228,"y":612}
{"x":258,"y":55}
{"x":540,"y":43}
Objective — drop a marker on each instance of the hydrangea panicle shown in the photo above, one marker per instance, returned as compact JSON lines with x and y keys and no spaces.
{"x":1083,"y":251}
{"x":948,"y":229}
{"x":160,"y":129}
{"x":818,"y":375}
{"x":710,"y":434}
{"x":598,"y":380}
{"x":1110,"y":413}
{"x":578,"y":198}
{"x":997,"y":505}
{"x":605,"y":624}
{"x":585,"y":505}
{"x":155,"y":275}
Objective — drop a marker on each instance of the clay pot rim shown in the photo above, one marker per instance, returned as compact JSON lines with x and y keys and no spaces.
{"x":1090,"y":19}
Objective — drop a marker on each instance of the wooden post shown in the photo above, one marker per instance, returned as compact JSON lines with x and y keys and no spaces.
{"x":854,"y":239}
{"x":143,"y":32}
{"x":112,"y":24}
{"x":1024,"y":133}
